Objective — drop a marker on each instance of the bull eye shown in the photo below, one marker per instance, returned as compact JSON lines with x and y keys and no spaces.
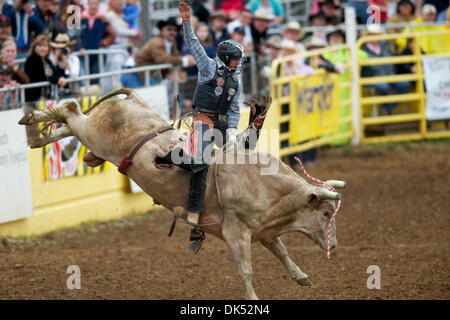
{"x":326,"y":214}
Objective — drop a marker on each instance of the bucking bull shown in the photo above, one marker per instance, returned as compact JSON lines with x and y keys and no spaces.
{"x":241,"y":205}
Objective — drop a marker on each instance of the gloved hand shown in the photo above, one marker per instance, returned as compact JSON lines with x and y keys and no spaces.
{"x":232,"y":135}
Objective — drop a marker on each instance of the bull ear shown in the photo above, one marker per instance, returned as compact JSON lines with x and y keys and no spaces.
{"x":313,"y":201}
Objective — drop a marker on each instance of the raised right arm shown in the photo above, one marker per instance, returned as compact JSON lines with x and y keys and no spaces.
{"x":204,"y":63}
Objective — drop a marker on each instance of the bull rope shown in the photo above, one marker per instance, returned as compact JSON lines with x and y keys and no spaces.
{"x":323,"y":184}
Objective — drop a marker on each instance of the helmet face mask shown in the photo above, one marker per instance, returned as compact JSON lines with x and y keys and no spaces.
{"x":229,"y":50}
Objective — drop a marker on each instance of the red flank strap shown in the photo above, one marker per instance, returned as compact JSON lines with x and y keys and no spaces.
{"x":124,"y":164}
{"x":128,"y":160}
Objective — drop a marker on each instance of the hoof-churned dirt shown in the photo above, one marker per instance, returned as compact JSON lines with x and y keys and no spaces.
{"x":395,"y":215}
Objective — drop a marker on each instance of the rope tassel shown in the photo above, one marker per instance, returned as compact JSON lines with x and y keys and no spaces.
{"x":323,"y":184}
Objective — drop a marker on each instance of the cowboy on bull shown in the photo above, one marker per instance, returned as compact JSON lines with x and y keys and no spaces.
{"x":216,"y":110}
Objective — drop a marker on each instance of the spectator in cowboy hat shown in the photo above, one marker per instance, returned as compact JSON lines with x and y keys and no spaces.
{"x":160,"y":49}
{"x":63,"y":58}
{"x":293,"y":31}
{"x":218,"y":26}
{"x":273,"y":8}
{"x":318,"y":61}
{"x":259,"y":30}
{"x":274,"y":46}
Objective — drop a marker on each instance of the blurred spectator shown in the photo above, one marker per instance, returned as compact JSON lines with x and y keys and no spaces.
{"x":5,"y":29}
{"x":63,"y":58}
{"x":204,"y":36}
{"x":217,"y":28}
{"x":296,"y":66}
{"x":202,"y":32}
{"x":239,"y":35}
{"x":158,"y":50}
{"x":444,"y":15}
{"x":41,"y":16}
{"x":361,"y":9}
{"x":259,"y":30}
{"x":273,"y":8}
{"x":56,"y":25}
{"x":440,"y":5}
{"x":319,"y":61}
{"x":318,"y":20}
{"x":274,"y":46}
{"x":169,"y":81}
{"x":293,"y":31}
{"x":331,"y":11}
{"x":244,"y":20}
{"x":382,"y":6}
{"x":337,"y":37}
{"x":405,"y":13}
{"x":375,"y":49}
{"x":408,"y":67}
{"x":8,"y":56}
{"x":39,"y":68}
{"x":200,"y":11}
{"x":8,"y":99}
{"x":22,"y":27}
{"x":122,"y":30}
{"x":131,"y":13}
{"x":429,"y":44}
{"x":230,"y":7}
{"x":96,"y":32}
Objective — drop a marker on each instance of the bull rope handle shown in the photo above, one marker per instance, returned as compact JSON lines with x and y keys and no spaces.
{"x":323,"y":184}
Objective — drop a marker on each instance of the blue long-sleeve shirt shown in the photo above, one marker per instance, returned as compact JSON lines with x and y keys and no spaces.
{"x":207,"y":69}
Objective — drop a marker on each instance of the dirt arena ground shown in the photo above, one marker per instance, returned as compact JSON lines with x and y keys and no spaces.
{"x":395,"y":214}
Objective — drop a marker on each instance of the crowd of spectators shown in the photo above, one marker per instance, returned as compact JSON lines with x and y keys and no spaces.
{"x":40,"y":31}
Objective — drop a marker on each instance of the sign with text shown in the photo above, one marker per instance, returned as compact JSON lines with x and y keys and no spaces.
{"x":15,"y":190}
{"x":437,"y":82}
{"x":314,"y":107}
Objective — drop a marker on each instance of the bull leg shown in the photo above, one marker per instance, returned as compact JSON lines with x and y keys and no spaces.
{"x":52,"y":115}
{"x":238,"y":238}
{"x":37,"y":142}
{"x":279,"y":250}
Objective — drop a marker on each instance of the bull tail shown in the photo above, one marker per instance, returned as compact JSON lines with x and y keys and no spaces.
{"x":125,"y":91}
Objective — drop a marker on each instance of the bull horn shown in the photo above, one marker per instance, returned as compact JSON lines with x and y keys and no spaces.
{"x":338,"y":184}
{"x":326,"y":194}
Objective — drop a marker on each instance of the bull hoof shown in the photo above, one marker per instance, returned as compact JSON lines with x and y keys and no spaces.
{"x":305,"y":282}
{"x":26,"y":119}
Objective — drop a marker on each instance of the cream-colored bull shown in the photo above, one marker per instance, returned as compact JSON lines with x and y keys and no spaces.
{"x":241,"y":205}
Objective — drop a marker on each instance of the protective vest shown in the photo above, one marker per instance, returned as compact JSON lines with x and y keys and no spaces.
{"x":215,"y":95}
